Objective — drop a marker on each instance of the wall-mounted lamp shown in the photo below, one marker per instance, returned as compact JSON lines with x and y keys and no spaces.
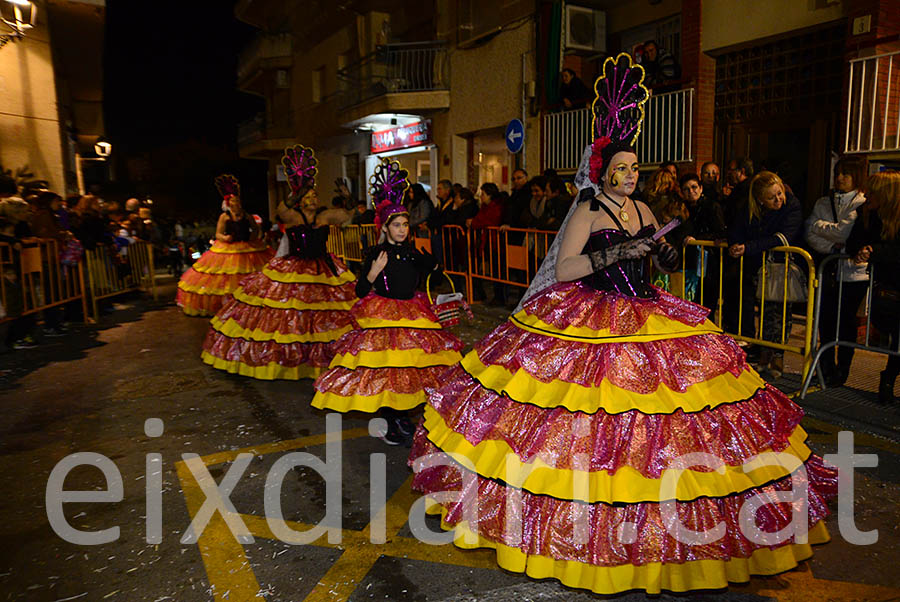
{"x":19,"y":16}
{"x":102,"y":147}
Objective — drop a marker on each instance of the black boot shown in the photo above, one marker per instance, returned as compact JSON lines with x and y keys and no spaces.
{"x":886,"y":388}
{"x":840,"y":376}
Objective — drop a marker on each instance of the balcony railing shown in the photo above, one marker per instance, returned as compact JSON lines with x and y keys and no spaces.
{"x":264,"y":46}
{"x":873,"y":104}
{"x":665,"y":133}
{"x":261,"y":127}
{"x":411,"y":67}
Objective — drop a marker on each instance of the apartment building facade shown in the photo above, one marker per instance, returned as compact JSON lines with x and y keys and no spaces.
{"x":437,"y":84}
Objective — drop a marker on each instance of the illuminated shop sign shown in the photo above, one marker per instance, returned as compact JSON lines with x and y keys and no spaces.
{"x":414,"y":134}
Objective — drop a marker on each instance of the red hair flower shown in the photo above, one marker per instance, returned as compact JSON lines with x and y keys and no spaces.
{"x":596,"y":170}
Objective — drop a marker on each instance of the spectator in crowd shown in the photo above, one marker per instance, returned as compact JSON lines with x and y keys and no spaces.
{"x":8,"y":186}
{"x":45,"y":225}
{"x":709,"y":177}
{"x":558,"y":201}
{"x":420,"y":207}
{"x":769,"y":211}
{"x":670,"y":167}
{"x":705,"y":222}
{"x":485,"y":245}
{"x":459,"y":212}
{"x":446,"y":196}
{"x":536,"y":211}
{"x":363,"y":214}
{"x":659,"y":65}
{"x":336,"y":215}
{"x":516,"y":204}
{"x":572,"y":91}
{"x":737,"y":188}
{"x":827,"y":229}
{"x":661,"y":192}
{"x":875,"y":238}
{"x":462,"y":210}
{"x":17,"y":331}
{"x":734,"y":197}
{"x":87,"y":224}
{"x":18,"y":212}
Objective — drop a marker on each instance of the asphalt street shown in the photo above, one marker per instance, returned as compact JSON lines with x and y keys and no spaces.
{"x":94,"y":391}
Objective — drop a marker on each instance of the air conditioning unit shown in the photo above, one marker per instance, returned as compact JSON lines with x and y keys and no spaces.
{"x":585,"y":29}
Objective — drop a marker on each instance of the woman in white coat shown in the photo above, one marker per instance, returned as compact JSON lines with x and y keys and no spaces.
{"x":827,"y":230}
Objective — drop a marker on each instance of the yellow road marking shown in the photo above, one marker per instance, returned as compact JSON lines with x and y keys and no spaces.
{"x":230,"y":574}
{"x":280,"y":446}
{"x":800,"y":585}
{"x":223,"y":556}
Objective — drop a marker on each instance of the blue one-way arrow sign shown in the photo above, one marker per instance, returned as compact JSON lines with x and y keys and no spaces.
{"x":515,"y":136}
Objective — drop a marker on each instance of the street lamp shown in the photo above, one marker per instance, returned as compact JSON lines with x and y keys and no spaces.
{"x":103,"y":148}
{"x":20,"y":18}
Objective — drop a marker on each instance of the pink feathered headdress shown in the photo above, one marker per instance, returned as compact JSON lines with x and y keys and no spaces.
{"x":385,"y":211}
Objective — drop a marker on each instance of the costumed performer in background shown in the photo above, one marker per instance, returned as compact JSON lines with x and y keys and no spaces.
{"x":237,"y":251}
{"x":282,"y":322}
{"x":564,"y":427}
{"x":400,"y":347}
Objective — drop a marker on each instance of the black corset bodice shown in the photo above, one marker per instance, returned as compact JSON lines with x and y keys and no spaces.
{"x":307,"y":242}
{"x":630,"y":276}
{"x":238,"y":229}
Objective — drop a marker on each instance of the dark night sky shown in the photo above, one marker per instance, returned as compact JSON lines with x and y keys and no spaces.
{"x":170,"y":97}
{"x":170,"y":72}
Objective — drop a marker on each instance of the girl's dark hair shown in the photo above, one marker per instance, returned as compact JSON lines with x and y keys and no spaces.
{"x":490,"y":189}
{"x":418,"y":193}
{"x":687,"y":178}
{"x":855,"y":167}
{"x":539,"y":181}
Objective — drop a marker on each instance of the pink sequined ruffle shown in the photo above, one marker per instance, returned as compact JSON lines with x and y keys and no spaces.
{"x":573,"y":304}
{"x":376,"y":307}
{"x":547,"y":523}
{"x":367,"y":382}
{"x":639,"y":367}
{"x":262,"y":353}
{"x":387,"y":339}
{"x":648,"y":443}
{"x":284,"y":321}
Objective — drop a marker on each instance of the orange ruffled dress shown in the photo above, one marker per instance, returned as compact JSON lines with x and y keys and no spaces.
{"x":399,"y":348}
{"x":203,"y":287}
{"x":283,"y":322}
{"x":560,"y":429}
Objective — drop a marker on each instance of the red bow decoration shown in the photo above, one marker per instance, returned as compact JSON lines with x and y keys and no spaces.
{"x":596,"y":170}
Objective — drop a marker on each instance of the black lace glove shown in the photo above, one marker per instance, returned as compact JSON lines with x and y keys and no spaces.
{"x":632,"y":249}
{"x":667,"y":255}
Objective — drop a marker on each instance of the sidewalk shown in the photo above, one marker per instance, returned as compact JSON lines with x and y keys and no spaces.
{"x":854,"y":405}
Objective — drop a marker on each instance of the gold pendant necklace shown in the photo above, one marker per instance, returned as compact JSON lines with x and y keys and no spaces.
{"x":623,"y":215}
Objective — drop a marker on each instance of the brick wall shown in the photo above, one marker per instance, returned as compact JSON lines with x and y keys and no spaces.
{"x":699,"y":71}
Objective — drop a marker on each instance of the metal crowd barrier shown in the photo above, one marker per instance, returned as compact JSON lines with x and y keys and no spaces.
{"x":511,"y":256}
{"x":805,"y":350}
{"x":495,"y":258}
{"x":41,"y":281}
{"x":110,"y":275}
{"x":335,"y":242}
{"x":355,"y":239}
{"x":825,"y":345}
